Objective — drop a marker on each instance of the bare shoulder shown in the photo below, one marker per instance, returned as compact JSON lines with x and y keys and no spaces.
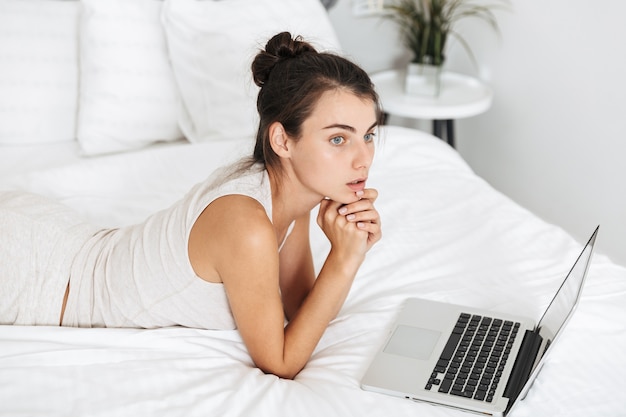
{"x":230,"y":230}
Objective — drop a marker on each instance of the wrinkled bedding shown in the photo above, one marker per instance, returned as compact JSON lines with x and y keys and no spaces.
{"x":447,"y":235}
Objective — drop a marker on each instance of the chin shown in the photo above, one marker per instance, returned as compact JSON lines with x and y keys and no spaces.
{"x":347,"y":199}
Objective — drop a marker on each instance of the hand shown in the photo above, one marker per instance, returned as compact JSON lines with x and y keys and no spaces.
{"x":364,"y":215}
{"x":351,"y":228}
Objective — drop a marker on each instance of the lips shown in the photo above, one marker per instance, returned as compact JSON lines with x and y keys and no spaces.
{"x":357,"y":185}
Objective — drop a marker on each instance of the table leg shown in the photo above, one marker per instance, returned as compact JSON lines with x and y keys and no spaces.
{"x":438,"y":130}
{"x":450,"y":132}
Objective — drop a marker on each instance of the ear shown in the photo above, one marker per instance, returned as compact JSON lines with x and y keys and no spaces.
{"x":279,"y":139}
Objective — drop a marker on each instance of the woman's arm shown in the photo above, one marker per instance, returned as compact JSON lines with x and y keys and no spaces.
{"x":242,"y":245}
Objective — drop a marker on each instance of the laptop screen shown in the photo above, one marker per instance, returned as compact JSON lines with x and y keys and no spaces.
{"x":566,"y":298}
{"x":558,"y":312}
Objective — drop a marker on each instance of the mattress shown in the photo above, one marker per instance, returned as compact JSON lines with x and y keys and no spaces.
{"x":447,"y":236}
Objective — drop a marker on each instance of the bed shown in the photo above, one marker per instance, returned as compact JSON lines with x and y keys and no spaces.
{"x":447,"y":234}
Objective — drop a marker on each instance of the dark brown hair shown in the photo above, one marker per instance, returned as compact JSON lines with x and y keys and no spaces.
{"x":293,"y":76}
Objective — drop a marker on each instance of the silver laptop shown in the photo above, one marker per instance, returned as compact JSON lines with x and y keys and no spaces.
{"x":474,"y":360}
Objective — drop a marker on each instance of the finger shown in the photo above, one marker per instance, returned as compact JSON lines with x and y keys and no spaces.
{"x":325,"y":212}
{"x":370,"y":194}
{"x":328,"y":212}
{"x":370,"y":216}
{"x":374,"y":231}
{"x":361,"y":205}
{"x":369,"y":227}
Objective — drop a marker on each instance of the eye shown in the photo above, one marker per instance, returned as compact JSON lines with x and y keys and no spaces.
{"x":369,"y":137}
{"x":337,"y":140}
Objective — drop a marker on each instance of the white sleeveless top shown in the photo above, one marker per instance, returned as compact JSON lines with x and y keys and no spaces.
{"x":140,"y":276}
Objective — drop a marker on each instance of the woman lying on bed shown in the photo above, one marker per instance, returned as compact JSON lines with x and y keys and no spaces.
{"x":244,"y":231}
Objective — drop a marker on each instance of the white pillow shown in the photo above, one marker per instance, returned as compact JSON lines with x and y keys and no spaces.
{"x":38,"y":71}
{"x":212,"y":44}
{"x":128,"y":96}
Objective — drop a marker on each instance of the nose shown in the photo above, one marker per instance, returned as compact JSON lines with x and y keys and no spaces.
{"x":363,"y":156}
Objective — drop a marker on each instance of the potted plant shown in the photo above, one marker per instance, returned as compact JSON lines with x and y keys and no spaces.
{"x":426,"y":26}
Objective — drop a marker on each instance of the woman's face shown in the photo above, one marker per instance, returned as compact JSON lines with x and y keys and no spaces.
{"x":334,"y":154}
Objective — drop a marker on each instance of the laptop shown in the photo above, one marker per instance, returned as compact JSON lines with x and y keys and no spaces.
{"x":474,"y":360}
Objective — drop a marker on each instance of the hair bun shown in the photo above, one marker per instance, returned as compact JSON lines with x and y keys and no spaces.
{"x":279,"y":48}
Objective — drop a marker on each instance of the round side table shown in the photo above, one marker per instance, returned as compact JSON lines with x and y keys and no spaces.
{"x":460,"y":96}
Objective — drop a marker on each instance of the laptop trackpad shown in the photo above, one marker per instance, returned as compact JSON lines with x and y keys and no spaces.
{"x":413,"y":342}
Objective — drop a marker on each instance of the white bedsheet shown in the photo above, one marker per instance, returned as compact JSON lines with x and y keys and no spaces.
{"x":447,"y":235}
{"x":21,"y":159}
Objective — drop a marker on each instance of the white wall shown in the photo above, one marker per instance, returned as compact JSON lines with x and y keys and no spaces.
{"x":555,"y":137}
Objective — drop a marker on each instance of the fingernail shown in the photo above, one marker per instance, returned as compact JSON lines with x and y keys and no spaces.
{"x":350,"y":217}
{"x":360,"y":193}
{"x":343,"y":210}
{"x":360,"y":225}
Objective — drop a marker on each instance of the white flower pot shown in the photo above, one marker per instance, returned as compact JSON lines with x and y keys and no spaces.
{"x":423,"y":80}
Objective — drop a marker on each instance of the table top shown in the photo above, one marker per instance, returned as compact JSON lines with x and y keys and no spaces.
{"x":460,"y":96}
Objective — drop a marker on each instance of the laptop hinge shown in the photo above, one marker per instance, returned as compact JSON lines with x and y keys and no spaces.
{"x":523,"y":365}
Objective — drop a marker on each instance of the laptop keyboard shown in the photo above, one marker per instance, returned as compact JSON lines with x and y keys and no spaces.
{"x":474,"y":357}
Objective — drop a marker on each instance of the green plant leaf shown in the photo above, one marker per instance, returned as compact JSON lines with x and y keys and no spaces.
{"x":426,"y":24}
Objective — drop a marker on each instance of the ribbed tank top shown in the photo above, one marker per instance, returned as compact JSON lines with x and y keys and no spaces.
{"x":140,"y":276}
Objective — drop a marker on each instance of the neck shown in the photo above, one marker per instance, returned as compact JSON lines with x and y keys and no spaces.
{"x":290,"y":200}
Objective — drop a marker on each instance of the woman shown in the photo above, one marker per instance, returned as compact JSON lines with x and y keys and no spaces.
{"x":244,"y":231}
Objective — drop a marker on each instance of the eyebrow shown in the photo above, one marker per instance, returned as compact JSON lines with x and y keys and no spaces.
{"x":347,"y":127}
